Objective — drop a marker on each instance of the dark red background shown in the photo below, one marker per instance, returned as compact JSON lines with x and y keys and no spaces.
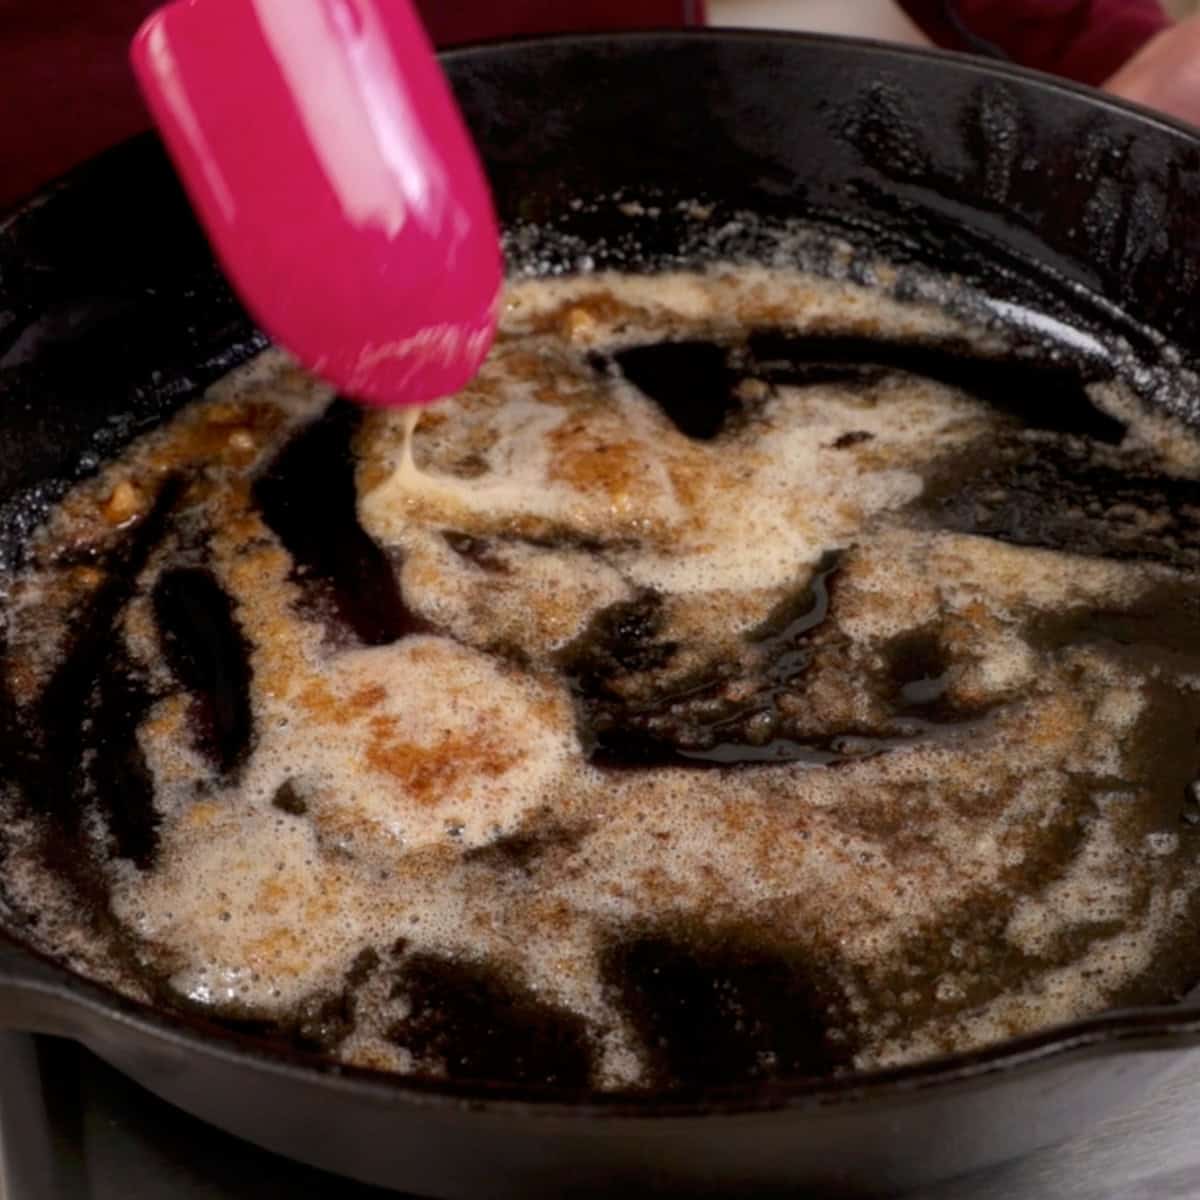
{"x":1085,"y":40}
{"x":66,"y":92}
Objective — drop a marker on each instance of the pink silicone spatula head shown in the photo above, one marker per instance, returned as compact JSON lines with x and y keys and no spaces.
{"x":324,"y":153}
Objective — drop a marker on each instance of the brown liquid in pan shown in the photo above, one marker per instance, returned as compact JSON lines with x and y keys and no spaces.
{"x":754,"y":678}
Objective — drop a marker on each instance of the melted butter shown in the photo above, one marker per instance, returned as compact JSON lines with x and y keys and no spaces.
{"x":407,"y":467}
{"x":571,"y":557}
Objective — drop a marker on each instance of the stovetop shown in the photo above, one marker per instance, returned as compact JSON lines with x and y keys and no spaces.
{"x":71,"y":1128}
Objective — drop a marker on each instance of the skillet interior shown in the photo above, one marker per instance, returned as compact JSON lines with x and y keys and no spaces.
{"x":112,"y":306}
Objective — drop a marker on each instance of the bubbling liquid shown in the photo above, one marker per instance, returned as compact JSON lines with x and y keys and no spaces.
{"x":748,"y":676}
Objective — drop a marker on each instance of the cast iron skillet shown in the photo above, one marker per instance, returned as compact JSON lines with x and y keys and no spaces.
{"x":109,"y":304}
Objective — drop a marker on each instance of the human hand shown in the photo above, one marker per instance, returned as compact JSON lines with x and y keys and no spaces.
{"x":1165,"y":73}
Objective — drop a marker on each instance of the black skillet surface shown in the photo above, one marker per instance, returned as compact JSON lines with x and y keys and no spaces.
{"x":1046,"y":196}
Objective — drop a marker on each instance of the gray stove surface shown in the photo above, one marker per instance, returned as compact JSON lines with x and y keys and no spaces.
{"x":71,"y":1128}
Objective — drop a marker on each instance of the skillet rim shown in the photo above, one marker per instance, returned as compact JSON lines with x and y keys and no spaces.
{"x":27,"y":973}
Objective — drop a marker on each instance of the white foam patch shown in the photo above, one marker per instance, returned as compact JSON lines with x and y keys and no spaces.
{"x":398,"y":747}
{"x":741,"y":513}
{"x":536,"y":599}
{"x":413,"y":743}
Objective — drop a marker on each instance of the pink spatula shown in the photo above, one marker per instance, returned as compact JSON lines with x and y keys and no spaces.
{"x":322,"y":149}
